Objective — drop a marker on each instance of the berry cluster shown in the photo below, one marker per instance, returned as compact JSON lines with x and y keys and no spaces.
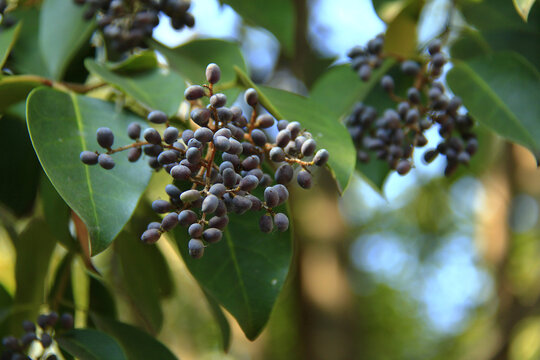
{"x":17,"y":348}
{"x":394,"y":135}
{"x":126,"y":24}
{"x":219,"y":166}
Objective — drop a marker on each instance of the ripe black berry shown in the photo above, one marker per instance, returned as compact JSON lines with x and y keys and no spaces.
{"x":106,"y":161}
{"x":89,"y":157}
{"x":157,"y":117}
{"x":105,"y":137}
{"x":213,"y":73}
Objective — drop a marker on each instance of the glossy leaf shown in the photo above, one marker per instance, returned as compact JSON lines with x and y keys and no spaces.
{"x":7,"y":40}
{"x":19,"y":166}
{"x":157,"y":88}
{"x":221,"y":320}
{"x":90,"y":344}
{"x":190,"y":59}
{"x":14,"y":89}
{"x":244,"y":272}
{"x":142,"y":286}
{"x":26,"y":57}
{"x":340,"y":88}
{"x":137,"y":344}
{"x":277,"y":16}
{"x":145,"y":60}
{"x":523,"y":7}
{"x":61,"y":125}
{"x":34,"y":248}
{"x":62,"y":31}
{"x":501,"y":91}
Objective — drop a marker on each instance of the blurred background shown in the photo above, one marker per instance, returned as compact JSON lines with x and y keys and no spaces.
{"x":426,"y":268}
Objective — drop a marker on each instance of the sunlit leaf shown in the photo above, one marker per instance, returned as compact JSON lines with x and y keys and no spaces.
{"x":523,"y":7}
{"x":190,"y":59}
{"x":401,"y":35}
{"x":34,"y":248}
{"x":14,"y":89}
{"x":7,"y":40}
{"x":156,"y":88}
{"x":340,"y":88}
{"x":61,"y":125}
{"x":145,"y":60}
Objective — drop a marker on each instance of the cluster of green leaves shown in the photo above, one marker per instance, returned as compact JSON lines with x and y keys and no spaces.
{"x":243,"y":274}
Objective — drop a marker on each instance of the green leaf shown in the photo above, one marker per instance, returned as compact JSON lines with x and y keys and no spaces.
{"x":61,"y":125}
{"x":26,"y":57}
{"x":340,"y":88}
{"x":401,"y":37}
{"x":145,"y":60}
{"x":387,"y":10}
{"x":221,"y":320}
{"x":61,"y":292}
{"x":62,"y":31}
{"x":101,"y":299}
{"x":245,"y":271}
{"x":324,"y":127}
{"x":5,"y":298}
{"x":90,"y":344}
{"x":56,"y":213}
{"x":34,"y":248}
{"x":501,"y":91}
{"x":144,"y":287}
{"x":14,"y":89}
{"x":137,"y":344}
{"x":469,"y":45}
{"x":493,"y":15}
{"x":521,"y":41}
{"x":18,"y":189}
{"x":157,"y":88}
{"x":374,"y":172}
{"x":278,"y":16}
{"x":6,"y":302}
{"x":7,"y":40}
{"x":523,"y":7}
{"x":190,"y":60}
